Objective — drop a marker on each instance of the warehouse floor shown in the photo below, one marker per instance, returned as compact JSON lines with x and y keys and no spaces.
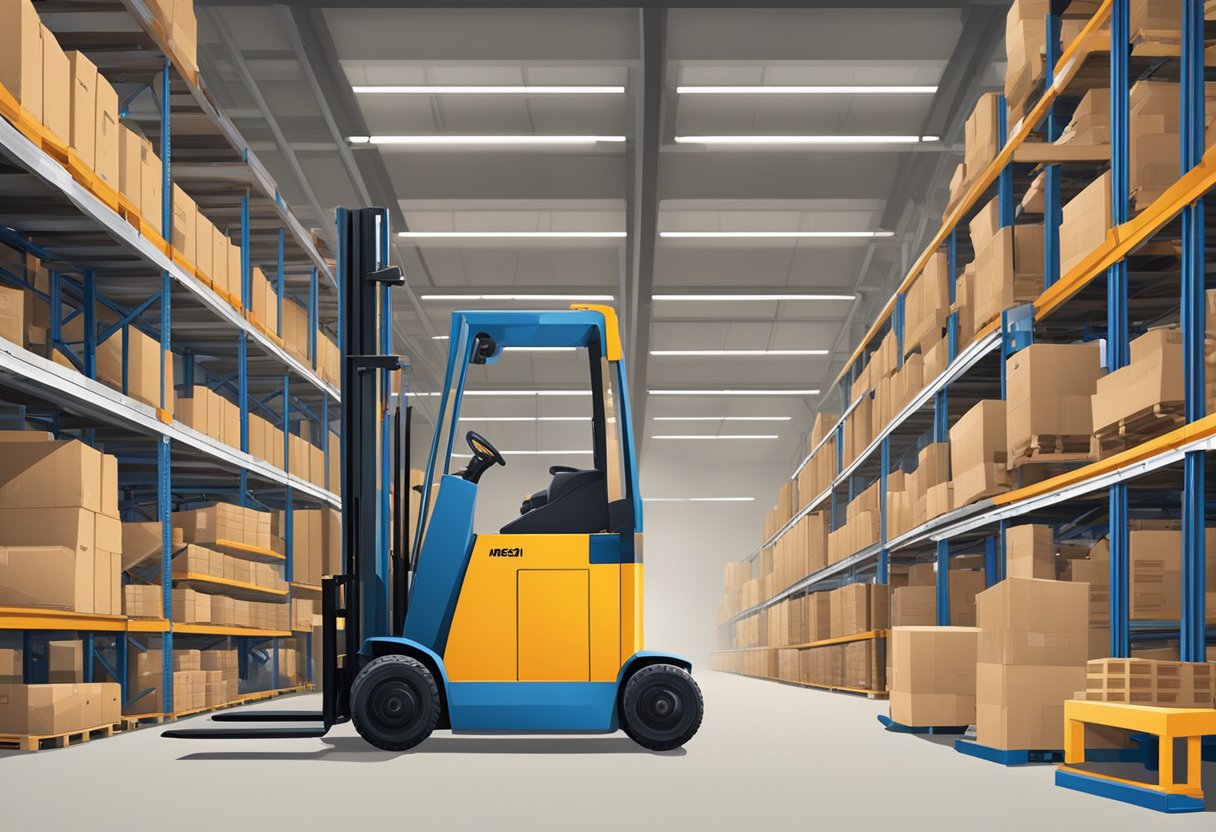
{"x":767,"y":753}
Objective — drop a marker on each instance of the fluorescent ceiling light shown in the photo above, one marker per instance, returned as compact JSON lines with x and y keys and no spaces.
{"x":440,"y":337}
{"x":575,"y":298}
{"x":515,"y":393}
{"x":730,"y":353}
{"x":525,"y":418}
{"x":699,"y":499}
{"x":775,"y":235}
{"x":485,"y":89}
{"x":716,"y":436}
{"x":827,"y":139}
{"x":758,"y":297}
{"x":512,"y":235}
{"x":722,"y":418}
{"x":808,"y":89}
{"x":449,"y":139}
{"x":734,"y":392}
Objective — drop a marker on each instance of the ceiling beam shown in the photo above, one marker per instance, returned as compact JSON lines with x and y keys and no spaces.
{"x":610,"y":4}
{"x":642,"y":206}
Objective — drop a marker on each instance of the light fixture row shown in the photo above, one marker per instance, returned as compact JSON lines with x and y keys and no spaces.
{"x":765,"y":296}
{"x":616,"y":89}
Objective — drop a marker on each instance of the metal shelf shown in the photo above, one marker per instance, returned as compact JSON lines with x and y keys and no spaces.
{"x":236,"y":589}
{"x":54,"y":383}
{"x":40,"y":618}
{"x":868,"y":635}
{"x":120,"y":247}
{"x":222,"y":630}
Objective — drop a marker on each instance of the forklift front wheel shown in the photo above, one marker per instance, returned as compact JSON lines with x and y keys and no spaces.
{"x":662,"y":707}
{"x":395,"y":702}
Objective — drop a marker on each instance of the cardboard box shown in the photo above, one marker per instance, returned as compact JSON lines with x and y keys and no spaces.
{"x":82,"y":136}
{"x":235,"y":276}
{"x":47,"y":576}
{"x":105,"y":163}
{"x":219,"y":260}
{"x":1086,"y":221}
{"x":204,"y":259}
{"x":1021,"y":706}
{"x":190,"y":607}
{"x":42,"y":710}
{"x":1154,"y":377}
{"x":130,"y":151}
{"x":1024,"y":621}
{"x":11,"y":666}
{"x":56,"y":87}
{"x":1029,"y":552}
{"x":982,"y":133}
{"x":139,"y":601}
{"x":1008,"y":271}
{"x":21,"y":55}
{"x":143,"y":367}
{"x":933,"y":675}
{"x":184,"y":212}
{"x":1047,"y":386}
{"x":857,"y":608}
{"x":73,"y":528}
{"x":12,"y":315}
{"x":43,"y":474}
{"x":65,"y":662}
{"x":151,"y":186}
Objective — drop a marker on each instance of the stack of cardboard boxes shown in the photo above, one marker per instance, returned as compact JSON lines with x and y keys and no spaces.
{"x":1008,"y":264}
{"x":1033,"y":646}
{"x":915,"y":604}
{"x":316,"y":545}
{"x":1143,"y":398}
{"x":59,"y":525}
{"x":1025,"y":40}
{"x":194,"y":562}
{"x":861,"y":528}
{"x":978,"y":451}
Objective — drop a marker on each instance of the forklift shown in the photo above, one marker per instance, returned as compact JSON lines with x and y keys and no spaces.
{"x":534,"y":629}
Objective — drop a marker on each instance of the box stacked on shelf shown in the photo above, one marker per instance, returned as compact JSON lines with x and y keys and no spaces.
{"x":316,"y":543}
{"x":1008,"y":264}
{"x":198,"y":561}
{"x":59,"y":525}
{"x":916,"y":603}
{"x":978,"y":453}
{"x":1142,"y":399}
{"x":1047,"y":412}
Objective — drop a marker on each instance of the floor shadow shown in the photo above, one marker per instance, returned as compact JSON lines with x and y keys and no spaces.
{"x":354,"y":749}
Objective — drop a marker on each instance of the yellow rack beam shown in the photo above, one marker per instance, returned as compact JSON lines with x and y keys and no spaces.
{"x":244,"y":550}
{"x":35,"y":618}
{"x":196,"y":578}
{"x":225,"y":630}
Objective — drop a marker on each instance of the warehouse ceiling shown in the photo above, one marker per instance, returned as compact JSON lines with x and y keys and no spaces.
{"x":288,"y":73}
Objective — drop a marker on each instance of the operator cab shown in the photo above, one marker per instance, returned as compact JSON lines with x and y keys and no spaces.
{"x":576,"y":500}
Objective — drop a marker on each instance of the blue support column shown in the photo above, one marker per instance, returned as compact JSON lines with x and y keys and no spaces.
{"x":1117,"y":347}
{"x":943,"y":583}
{"x":1052,"y":209}
{"x":312,"y":317}
{"x":992,"y":574}
{"x":1192,"y":634}
{"x":246,"y":270}
{"x":88,"y":351}
{"x":279,"y":280}
{"x":163,"y":510}
{"x":87,"y":659}
{"x":166,"y":181}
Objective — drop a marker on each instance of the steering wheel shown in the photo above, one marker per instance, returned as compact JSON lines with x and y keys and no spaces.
{"x":484,"y":456}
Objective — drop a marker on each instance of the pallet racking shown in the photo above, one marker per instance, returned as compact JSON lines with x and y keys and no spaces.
{"x":104,"y":258}
{"x":1119,"y":287}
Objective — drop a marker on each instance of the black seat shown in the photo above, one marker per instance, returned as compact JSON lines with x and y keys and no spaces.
{"x":576,"y":502}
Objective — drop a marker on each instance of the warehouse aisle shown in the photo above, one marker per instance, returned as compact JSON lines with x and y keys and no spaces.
{"x":767,"y":753}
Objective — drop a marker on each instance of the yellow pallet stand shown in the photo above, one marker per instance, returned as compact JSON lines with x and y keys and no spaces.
{"x":1167,"y":724}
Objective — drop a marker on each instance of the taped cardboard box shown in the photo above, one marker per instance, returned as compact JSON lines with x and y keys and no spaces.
{"x":1022,"y":706}
{"x":1152,"y":379}
{"x":185,"y":212}
{"x":151,"y":187}
{"x":1086,"y":221}
{"x":143,"y":367}
{"x":105,"y":158}
{"x":1047,"y":386}
{"x":56,"y":87}
{"x":41,"y":710}
{"x":11,"y":666}
{"x":1024,"y":621}
{"x":21,"y":55}
{"x":140,"y":601}
{"x":1029,"y":552}
{"x":43,"y":474}
{"x":82,"y":136}
{"x":65,"y":662}
{"x":933,"y":675}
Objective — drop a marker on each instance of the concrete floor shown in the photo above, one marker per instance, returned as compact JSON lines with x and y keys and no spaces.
{"x":767,"y":753}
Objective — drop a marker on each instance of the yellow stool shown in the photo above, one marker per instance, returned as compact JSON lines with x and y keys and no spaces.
{"x":1168,"y":724}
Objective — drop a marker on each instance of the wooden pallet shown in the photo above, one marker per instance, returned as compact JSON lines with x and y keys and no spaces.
{"x":1138,"y":428}
{"x":40,"y":742}
{"x":1049,"y":448}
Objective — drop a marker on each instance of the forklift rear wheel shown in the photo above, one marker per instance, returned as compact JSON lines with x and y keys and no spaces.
{"x":395,"y":702}
{"x":662,"y":707}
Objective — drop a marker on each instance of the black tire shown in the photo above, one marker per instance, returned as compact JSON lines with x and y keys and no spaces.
{"x":662,"y":707}
{"x":394,"y":702}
